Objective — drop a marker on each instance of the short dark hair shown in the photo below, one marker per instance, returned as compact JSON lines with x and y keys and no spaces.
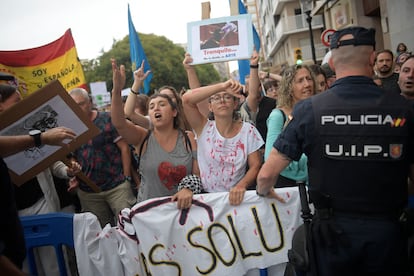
{"x":6,"y":91}
{"x":269,"y":83}
{"x":384,"y":51}
{"x":317,"y":70}
{"x":329,"y":73}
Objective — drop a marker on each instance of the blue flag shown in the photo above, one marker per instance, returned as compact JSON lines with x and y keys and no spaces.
{"x":137,"y":53}
{"x":244,"y":65}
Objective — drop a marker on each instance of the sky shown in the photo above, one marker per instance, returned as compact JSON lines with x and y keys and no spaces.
{"x":95,"y":24}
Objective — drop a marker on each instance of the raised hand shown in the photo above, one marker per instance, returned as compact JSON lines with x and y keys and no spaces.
{"x":234,"y":87}
{"x":187,"y":61}
{"x":118,"y":77}
{"x":139,"y":74}
{"x":254,"y":60}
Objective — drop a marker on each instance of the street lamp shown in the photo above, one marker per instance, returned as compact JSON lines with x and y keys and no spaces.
{"x":307,"y":7}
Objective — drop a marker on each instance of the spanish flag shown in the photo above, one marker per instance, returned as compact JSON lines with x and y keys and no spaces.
{"x":36,"y":67}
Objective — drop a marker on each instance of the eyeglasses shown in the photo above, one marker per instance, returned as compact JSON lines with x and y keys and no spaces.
{"x":219,"y":98}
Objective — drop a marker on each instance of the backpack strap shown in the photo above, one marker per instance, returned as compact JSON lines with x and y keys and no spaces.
{"x":187,"y":143}
{"x":284,"y":116}
{"x":187,"y":140}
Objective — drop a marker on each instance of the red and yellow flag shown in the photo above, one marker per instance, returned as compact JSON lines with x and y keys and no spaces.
{"x":36,"y":67}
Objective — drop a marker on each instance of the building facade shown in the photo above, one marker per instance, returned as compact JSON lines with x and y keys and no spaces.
{"x":285,"y":33}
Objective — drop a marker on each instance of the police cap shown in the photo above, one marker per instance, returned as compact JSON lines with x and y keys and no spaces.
{"x":362,"y":36}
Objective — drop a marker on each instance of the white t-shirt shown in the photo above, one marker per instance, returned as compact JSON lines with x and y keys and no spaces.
{"x":223,"y":161}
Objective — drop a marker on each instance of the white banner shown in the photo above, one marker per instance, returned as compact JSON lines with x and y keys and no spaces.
{"x":211,"y":238}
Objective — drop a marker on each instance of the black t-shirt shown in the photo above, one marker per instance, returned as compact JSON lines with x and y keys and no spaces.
{"x":391,"y":83}
{"x":266,"y":106}
{"x":11,"y":231}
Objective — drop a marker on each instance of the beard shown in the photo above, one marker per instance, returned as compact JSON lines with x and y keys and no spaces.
{"x":385,"y":69}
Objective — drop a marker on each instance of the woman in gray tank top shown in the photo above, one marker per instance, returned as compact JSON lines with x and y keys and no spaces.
{"x":166,"y":151}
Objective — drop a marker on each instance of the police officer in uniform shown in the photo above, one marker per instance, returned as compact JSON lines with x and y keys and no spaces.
{"x":359,"y":140}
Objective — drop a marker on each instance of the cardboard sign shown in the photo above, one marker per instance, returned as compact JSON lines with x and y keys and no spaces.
{"x":220,"y":39}
{"x":48,"y":107}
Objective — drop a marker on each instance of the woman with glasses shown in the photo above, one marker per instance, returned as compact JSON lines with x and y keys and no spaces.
{"x":227,"y":147}
{"x":297,"y":84}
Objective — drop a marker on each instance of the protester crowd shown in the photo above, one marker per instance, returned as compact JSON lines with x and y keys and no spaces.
{"x":272,"y":132}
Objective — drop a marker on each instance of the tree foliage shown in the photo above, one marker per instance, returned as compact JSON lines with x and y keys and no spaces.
{"x":164,"y":57}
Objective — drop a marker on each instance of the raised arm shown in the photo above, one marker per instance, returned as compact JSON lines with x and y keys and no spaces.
{"x":132,"y":134}
{"x":254,"y":83}
{"x":267,"y":75}
{"x":194,"y":82}
{"x":129,"y":107}
{"x":192,"y":97}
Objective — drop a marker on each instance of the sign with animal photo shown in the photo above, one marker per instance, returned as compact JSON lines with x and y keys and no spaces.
{"x":220,"y":39}
{"x":48,"y":107}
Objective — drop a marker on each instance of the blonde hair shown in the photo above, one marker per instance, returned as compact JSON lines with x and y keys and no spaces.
{"x":284,"y":98}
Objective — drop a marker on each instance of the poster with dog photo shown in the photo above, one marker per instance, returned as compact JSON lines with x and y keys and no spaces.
{"x":220,"y":39}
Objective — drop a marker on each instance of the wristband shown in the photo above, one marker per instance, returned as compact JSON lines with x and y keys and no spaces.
{"x":268,"y":75}
{"x":191,"y":182}
{"x":133,"y":92}
{"x":254,"y":66}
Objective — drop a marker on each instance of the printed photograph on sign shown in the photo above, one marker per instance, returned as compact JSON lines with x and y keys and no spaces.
{"x":220,"y":39}
{"x":46,"y":108}
{"x":219,"y":35}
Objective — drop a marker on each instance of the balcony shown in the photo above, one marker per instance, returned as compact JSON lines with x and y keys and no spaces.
{"x":292,"y":25}
{"x":279,"y":4}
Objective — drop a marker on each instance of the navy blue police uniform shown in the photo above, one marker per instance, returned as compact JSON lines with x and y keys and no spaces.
{"x":359,"y":141}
